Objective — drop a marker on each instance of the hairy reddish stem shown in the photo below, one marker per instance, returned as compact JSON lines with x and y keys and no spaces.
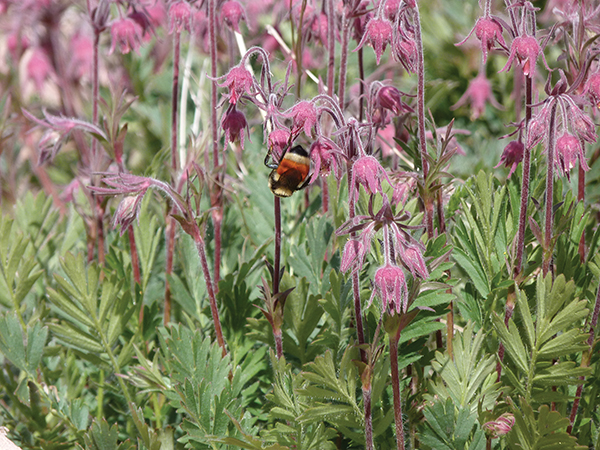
{"x":396,"y":390}
{"x":547,"y":258}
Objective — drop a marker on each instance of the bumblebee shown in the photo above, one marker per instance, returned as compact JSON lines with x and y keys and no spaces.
{"x":291,"y":174}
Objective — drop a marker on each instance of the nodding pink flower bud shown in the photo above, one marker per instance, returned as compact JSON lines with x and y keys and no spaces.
{"x":538,"y":126}
{"x":412,"y":257}
{"x":367,"y":171}
{"x":592,"y":88}
{"x":318,"y":28}
{"x":501,"y":426}
{"x":231,"y":13}
{"x":512,"y":156}
{"x":526,"y":49}
{"x":390,"y":284}
{"x":304,"y":116}
{"x":568,"y":150}
{"x":391,"y":98}
{"x":404,"y":50}
{"x":352,"y":256}
{"x":322,"y":154}
{"x":488,"y":31}
{"x":278,"y":140}
{"x":127,"y":211}
{"x":581,"y":123}
{"x":127,"y":34}
{"x":233,"y":123}
{"x":39,"y":68}
{"x":378,"y":33}
{"x":80,"y":63}
{"x":180,"y":17}
{"x":391,"y":9}
{"x":239,"y":81}
{"x":478,"y":93}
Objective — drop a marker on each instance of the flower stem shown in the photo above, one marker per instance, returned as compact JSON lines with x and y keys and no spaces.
{"x":396,"y":390}
{"x":368,"y":418}
{"x":210,"y":288}
{"x":421,"y":119}
{"x":343,"y":59}
{"x":217,"y":202}
{"x":547,"y":258}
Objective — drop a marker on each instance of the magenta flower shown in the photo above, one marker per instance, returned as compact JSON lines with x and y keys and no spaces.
{"x":568,"y":150}
{"x":353,"y":256}
{"x":526,"y":49}
{"x":412,"y":257}
{"x":390,"y":285}
{"x":367,"y":171}
{"x":279,"y":139}
{"x":592,"y":89}
{"x":501,"y":426}
{"x":239,"y":81}
{"x":391,"y":9}
{"x":477,"y":94}
{"x":231,"y":13}
{"x":324,"y":156}
{"x":126,"y":34}
{"x":39,"y":68}
{"x":388,"y":97}
{"x":512,"y":156}
{"x":378,"y":33}
{"x":80,"y":63}
{"x":180,"y":17}
{"x":318,"y":28}
{"x":489,"y":32}
{"x":305,"y":117}
{"x":233,"y":123}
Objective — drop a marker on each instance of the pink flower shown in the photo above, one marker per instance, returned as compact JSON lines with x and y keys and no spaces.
{"x":412,"y":257}
{"x":378,"y":33}
{"x":501,"y":426}
{"x":390,"y":285}
{"x":404,"y":50}
{"x":526,"y":49}
{"x":304,"y":116}
{"x":568,"y":150}
{"x":239,"y":81}
{"x":538,"y":125}
{"x":390,"y":98}
{"x":318,"y":28}
{"x":80,"y":63}
{"x":127,"y":34}
{"x":367,"y":171}
{"x":352,"y":256}
{"x":592,"y":88}
{"x":39,"y":68}
{"x":324,"y":157}
{"x":512,"y":156}
{"x":231,"y":13}
{"x":234,"y":123}
{"x":489,"y":32}
{"x":180,"y":16}
{"x":478,"y":93}
{"x":279,"y":139}
{"x":391,"y":9}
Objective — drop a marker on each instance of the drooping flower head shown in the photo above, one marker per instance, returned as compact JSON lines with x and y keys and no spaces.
{"x":478,"y":94}
{"x":378,"y":33}
{"x":390,"y":285}
{"x":180,"y":16}
{"x":239,"y":81}
{"x":568,"y":151}
{"x":233,"y":124}
{"x":489,"y":32}
{"x":231,"y":13}
{"x":526,"y":50}
{"x":126,"y":35}
{"x":512,"y":156}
